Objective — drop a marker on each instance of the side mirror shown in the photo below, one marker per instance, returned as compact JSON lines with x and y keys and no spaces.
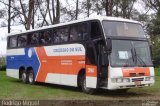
{"x":109,"y":44}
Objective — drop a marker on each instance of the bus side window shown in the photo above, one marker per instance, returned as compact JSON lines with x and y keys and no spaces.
{"x":83,"y":31}
{"x":74,"y":36}
{"x":95,"y":30}
{"x":55,"y":37}
{"x":62,"y":34}
{"x":22,"y":40}
{"x":34,"y":38}
{"x":45,"y":37}
{"x":12,"y":42}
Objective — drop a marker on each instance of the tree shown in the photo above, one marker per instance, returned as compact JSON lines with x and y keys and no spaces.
{"x":153,"y":28}
{"x":109,"y":7}
{"x":77,"y":9}
{"x":9,"y":16}
{"x":27,"y":14}
{"x":43,"y":12}
{"x":55,"y":11}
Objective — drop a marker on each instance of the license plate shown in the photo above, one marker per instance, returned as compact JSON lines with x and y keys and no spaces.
{"x":138,"y":83}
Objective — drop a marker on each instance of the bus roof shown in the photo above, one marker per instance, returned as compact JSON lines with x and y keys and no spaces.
{"x":76,"y":21}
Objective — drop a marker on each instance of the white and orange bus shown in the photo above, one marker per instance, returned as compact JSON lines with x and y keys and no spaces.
{"x":102,"y":52}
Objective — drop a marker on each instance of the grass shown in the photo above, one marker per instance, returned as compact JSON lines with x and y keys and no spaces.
{"x":11,"y":88}
{"x":152,"y":89}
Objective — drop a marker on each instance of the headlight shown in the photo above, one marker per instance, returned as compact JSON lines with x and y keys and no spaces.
{"x":126,"y":80}
{"x":149,"y":79}
{"x":120,"y":80}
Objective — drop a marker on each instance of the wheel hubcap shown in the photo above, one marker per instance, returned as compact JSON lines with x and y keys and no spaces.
{"x":31,"y":77}
{"x":24,"y":77}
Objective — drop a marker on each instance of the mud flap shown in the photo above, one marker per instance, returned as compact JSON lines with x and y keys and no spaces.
{"x":91,"y":76}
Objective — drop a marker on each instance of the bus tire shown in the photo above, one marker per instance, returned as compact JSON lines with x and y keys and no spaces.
{"x":24,"y":77}
{"x":83,"y":86}
{"x":31,"y":77}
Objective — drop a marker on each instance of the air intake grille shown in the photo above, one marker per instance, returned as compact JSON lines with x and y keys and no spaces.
{"x":137,"y":79}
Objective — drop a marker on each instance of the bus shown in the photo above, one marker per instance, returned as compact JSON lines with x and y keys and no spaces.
{"x":101,"y":52}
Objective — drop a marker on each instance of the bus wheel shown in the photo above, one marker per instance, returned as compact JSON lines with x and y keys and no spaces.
{"x":83,"y":86}
{"x":31,"y":77}
{"x":24,"y":77}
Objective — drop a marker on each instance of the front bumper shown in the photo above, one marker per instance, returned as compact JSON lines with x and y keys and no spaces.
{"x":114,"y":86}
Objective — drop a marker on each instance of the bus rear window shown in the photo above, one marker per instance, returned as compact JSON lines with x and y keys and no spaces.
{"x":124,"y":29}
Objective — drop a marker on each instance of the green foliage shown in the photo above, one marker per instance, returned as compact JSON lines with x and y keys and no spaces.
{"x":154,"y":32}
{"x":3,"y":68}
{"x":2,"y":64}
{"x":11,"y":88}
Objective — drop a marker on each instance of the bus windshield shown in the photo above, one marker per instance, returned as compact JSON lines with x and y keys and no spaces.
{"x":126,"y":29}
{"x":130,"y":53}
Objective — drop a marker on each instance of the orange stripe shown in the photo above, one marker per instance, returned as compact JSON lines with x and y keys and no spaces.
{"x":138,"y":71}
{"x":58,"y":64}
{"x":91,"y":70}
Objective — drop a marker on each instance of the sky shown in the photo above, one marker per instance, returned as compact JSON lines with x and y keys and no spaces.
{"x":3,"y":43}
{"x":3,"y":30}
{"x":3,"y":35}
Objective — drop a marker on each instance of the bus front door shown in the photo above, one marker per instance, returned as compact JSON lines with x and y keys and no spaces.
{"x":91,"y":66}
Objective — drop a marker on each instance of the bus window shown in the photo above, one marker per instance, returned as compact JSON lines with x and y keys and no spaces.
{"x":45,"y":37}
{"x":83,"y":31}
{"x":74,"y":36}
{"x":34,"y":38}
{"x":12,"y":42}
{"x":61,"y":35}
{"x":79,"y":32}
{"x":123,"y":29}
{"x":55,"y":37}
{"x":22,"y":40}
{"x":95,"y":30}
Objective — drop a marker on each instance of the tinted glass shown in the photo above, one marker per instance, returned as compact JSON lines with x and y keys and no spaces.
{"x":83,"y":31}
{"x":34,"y":38}
{"x":12,"y":42}
{"x":95,"y":30}
{"x":143,"y":53}
{"x":45,"y":37}
{"x":130,"y":53}
{"x":74,"y":33}
{"x":22,"y":41}
{"x":61,"y":35}
{"x":79,"y":32}
{"x":121,"y":53}
{"x":125,"y":29}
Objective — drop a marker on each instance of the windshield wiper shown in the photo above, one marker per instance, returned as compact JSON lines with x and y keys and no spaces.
{"x":139,"y":58}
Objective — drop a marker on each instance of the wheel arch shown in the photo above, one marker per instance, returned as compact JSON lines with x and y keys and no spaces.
{"x":21,"y":69}
{"x":29,"y":68}
{"x":80,"y":73}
